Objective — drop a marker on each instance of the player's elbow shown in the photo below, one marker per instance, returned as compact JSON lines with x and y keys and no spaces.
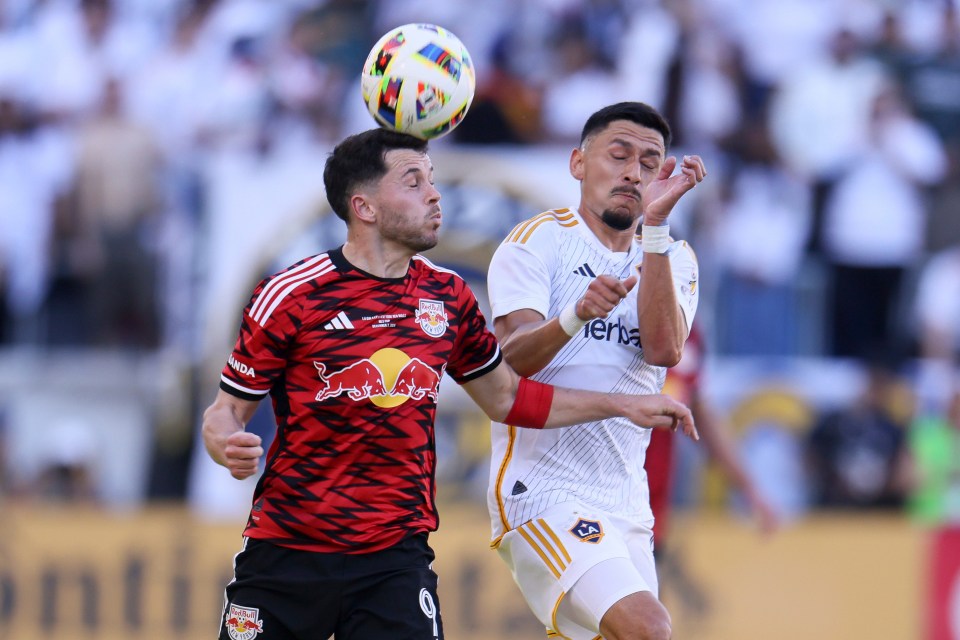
{"x":663,"y":356}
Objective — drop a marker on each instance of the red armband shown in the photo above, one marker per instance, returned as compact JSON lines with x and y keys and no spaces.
{"x":532,"y":404}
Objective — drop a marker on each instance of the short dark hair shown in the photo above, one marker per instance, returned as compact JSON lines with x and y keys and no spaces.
{"x":638,"y":112}
{"x":360,"y":159}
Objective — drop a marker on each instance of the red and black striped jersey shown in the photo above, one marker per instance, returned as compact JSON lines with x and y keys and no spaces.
{"x":353,"y":364}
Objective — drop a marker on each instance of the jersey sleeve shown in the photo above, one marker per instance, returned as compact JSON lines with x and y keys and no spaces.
{"x":518,"y":278}
{"x":259,"y":356}
{"x":686,"y":279}
{"x":475,"y":350}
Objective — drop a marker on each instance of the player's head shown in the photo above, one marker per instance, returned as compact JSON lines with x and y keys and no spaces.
{"x":360,"y":160}
{"x":636,"y":112}
{"x":622,"y":150}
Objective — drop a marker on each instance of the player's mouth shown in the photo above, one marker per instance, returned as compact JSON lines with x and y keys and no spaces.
{"x":633,"y":195}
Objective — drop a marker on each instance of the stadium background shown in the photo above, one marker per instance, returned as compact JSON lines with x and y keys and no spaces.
{"x":158,"y":158}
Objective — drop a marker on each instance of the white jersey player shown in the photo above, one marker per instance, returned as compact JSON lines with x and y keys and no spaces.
{"x":580,"y":300}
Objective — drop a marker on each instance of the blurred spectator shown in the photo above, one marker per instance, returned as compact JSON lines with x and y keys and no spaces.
{"x":651,"y":34}
{"x":67,"y":468}
{"x":858,"y":454}
{"x":760,"y":240}
{"x":81,"y":45}
{"x":107,"y":244}
{"x":31,"y":180}
{"x":930,"y":75}
{"x":820,"y":116}
{"x":932,"y":78}
{"x":874,"y":223}
{"x":507,"y":106}
{"x":232,"y":117}
{"x":935,"y":447}
{"x":710,"y":75}
{"x":585,"y":81}
{"x":936,"y":309}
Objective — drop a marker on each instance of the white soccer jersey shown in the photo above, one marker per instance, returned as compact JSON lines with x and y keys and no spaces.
{"x":544,"y":264}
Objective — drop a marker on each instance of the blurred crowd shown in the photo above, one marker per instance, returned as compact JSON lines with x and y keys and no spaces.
{"x":831,"y":130}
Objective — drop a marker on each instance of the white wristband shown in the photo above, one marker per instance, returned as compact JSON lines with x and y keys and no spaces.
{"x":570,"y":322}
{"x":655,"y":239}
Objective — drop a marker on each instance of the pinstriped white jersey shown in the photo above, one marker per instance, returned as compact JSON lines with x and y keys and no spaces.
{"x":544,"y":264}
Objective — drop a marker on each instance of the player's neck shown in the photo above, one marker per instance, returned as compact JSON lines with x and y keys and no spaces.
{"x":377,"y":259}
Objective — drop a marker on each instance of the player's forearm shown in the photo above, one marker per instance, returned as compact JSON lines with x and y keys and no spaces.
{"x":530,"y":349}
{"x":662,"y":326}
{"x":656,"y":411}
{"x":720,"y":446}
{"x":575,"y":406}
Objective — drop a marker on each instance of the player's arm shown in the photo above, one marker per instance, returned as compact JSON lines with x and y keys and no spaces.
{"x":529,"y":342}
{"x":721,"y":449}
{"x":663,"y":327}
{"x":506,"y":397}
{"x":224,"y":436}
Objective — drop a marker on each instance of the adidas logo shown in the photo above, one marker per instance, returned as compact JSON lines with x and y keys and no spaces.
{"x":518,"y":488}
{"x":341,"y":321}
{"x":585,"y":270}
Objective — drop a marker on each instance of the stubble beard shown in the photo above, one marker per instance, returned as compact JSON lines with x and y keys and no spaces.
{"x":415,"y":239}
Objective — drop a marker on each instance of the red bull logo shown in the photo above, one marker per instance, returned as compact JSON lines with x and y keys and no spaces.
{"x":432,"y":318}
{"x":388,"y":378}
{"x":360,"y":380}
{"x":243,"y":623}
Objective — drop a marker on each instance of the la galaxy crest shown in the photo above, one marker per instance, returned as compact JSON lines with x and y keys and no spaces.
{"x":588,"y":530}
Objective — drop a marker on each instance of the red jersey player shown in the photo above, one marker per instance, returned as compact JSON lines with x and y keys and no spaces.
{"x":351,"y":345}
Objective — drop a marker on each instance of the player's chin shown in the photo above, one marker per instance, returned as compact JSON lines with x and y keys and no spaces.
{"x":428,"y":240}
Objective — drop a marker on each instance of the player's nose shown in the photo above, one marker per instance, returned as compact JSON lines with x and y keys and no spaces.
{"x":433,"y":194}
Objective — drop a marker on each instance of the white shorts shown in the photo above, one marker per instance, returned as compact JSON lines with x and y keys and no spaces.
{"x":572,"y":565}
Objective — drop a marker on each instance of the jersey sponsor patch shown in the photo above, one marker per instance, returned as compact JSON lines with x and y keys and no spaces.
{"x":241,"y":368}
{"x":388,"y":378}
{"x":588,"y":530}
{"x":243,"y":623}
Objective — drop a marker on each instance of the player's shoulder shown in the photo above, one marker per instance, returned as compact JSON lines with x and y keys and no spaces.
{"x":435,"y":270}
{"x":681,"y":249}
{"x":543,"y":227}
{"x":286,"y":285}
{"x":302,"y":271}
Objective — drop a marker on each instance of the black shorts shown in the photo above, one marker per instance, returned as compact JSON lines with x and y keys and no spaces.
{"x":287,"y":594}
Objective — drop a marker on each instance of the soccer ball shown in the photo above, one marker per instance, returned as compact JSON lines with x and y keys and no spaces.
{"x":418,"y":79}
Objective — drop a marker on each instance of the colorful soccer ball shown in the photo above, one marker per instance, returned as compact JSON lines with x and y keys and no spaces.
{"x":418,"y":79}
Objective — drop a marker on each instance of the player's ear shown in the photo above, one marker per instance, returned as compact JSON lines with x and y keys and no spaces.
{"x":363,"y":208}
{"x":576,"y":164}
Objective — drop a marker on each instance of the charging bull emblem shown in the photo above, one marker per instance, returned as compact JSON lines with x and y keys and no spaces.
{"x":388,"y":378}
{"x":243,"y":623}
{"x":432,"y":318}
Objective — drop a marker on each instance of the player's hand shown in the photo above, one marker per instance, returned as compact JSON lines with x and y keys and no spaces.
{"x":603,"y":294}
{"x":768,"y":520}
{"x":242,"y":451}
{"x":662,"y":194}
{"x":662,"y":412}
